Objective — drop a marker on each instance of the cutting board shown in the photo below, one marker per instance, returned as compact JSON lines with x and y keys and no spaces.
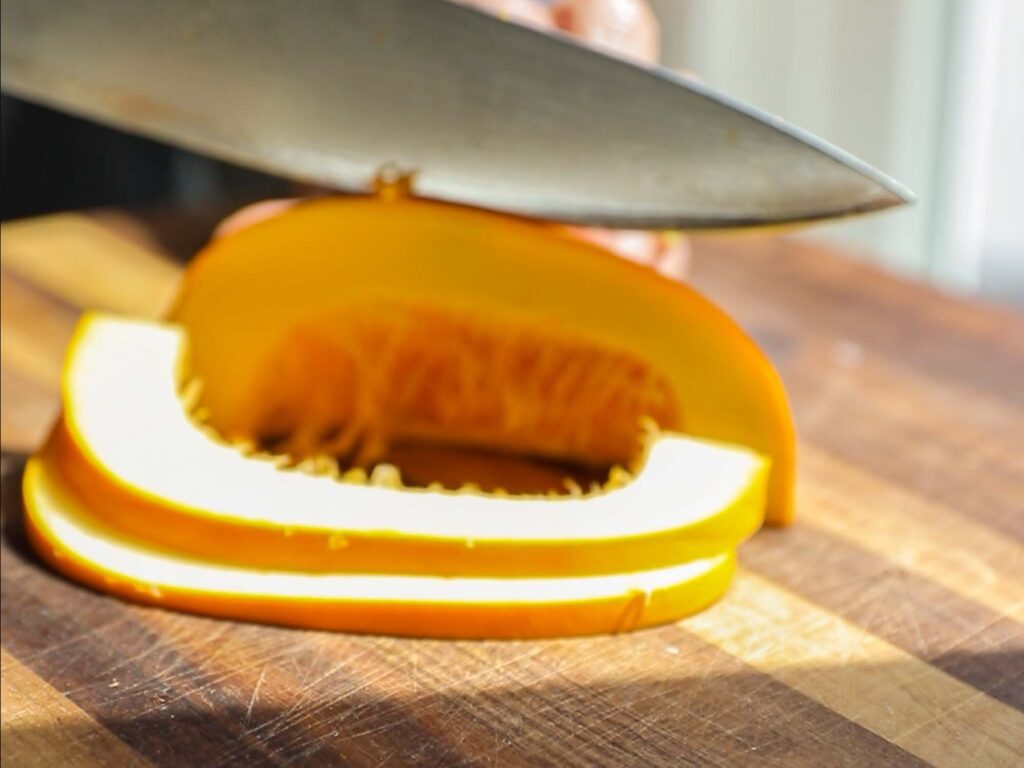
{"x":885,"y":628}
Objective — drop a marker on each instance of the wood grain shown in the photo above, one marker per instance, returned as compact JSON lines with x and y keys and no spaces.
{"x":243,"y":693}
{"x":37,"y":328}
{"x":32,"y":712}
{"x":886,"y":628}
{"x":110,"y":272}
{"x":922,"y":537}
{"x":892,"y":693}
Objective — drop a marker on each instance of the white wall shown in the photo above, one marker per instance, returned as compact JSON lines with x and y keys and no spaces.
{"x":930,"y":91}
{"x":1003,"y":256}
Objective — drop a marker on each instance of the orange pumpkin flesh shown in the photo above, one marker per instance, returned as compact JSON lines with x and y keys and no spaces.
{"x":360,"y":327}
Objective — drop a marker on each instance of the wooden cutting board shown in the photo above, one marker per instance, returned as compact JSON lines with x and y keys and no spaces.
{"x":885,"y":628}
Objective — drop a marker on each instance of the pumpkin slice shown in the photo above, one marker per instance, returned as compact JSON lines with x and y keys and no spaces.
{"x":83,"y":548}
{"x":360,"y":326}
{"x":130,"y":452}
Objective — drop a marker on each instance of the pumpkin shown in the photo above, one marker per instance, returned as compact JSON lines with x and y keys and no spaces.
{"x":394,"y":415}
{"x":70,"y":539}
{"x":354,"y":326}
{"x":124,"y":426}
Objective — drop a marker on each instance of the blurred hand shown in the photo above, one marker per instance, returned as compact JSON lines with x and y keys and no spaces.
{"x":531,"y":12}
{"x":626,"y":28}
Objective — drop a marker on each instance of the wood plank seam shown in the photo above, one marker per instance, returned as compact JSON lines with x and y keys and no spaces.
{"x":866,"y":679}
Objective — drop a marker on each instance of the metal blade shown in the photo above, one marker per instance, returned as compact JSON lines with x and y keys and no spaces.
{"x":485,"y":112}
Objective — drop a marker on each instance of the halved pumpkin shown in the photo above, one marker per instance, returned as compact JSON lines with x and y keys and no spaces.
{"x":75,"y":543}
{"x":129,"y":451}
{"x":368,"y":328}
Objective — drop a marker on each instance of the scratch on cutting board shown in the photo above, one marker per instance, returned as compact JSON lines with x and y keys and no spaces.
{"x":252,"y":699}
{"x":34,"y":656}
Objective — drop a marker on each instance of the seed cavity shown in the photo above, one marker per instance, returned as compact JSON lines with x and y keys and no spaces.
{"x":315,"y":454}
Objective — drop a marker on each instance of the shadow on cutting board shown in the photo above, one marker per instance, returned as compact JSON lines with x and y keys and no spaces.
{"x":183,"y":690}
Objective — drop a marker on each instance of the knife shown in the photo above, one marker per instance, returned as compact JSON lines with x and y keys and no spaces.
{"x":484,"y":112}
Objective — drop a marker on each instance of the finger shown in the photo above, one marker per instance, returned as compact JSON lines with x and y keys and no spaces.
{"x":628,"y":28}
{"x":665,"y":252}
{"x":252,"y":214}
{"x":530,"y":12}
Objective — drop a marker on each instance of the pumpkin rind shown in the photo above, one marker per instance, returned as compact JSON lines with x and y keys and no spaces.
{"x":79,"y":546}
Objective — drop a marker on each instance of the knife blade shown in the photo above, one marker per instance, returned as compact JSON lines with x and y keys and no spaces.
{"x":483,"y":112}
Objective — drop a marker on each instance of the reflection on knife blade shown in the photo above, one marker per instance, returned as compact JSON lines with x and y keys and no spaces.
{"x":493,"y":114}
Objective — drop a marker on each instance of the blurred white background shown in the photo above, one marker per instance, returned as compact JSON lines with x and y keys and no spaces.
{"x":930,"y":91}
